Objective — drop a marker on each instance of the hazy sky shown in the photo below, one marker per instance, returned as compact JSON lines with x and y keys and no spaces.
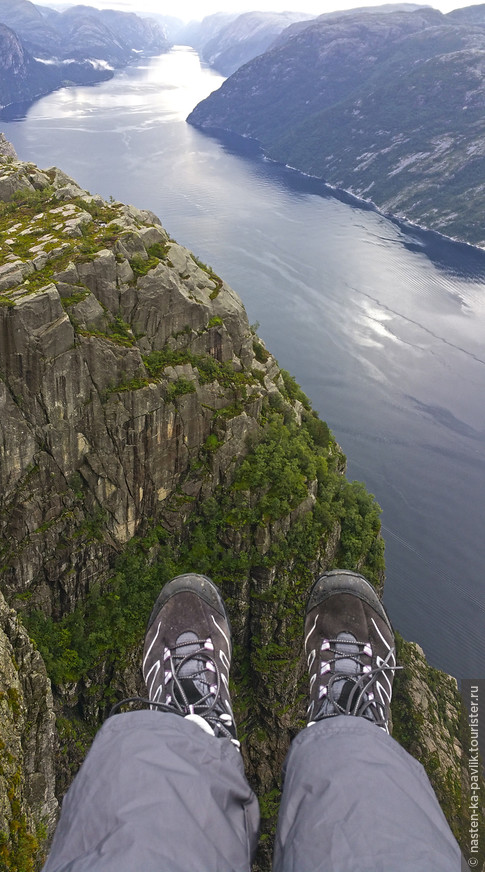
{"x":188,"y":9}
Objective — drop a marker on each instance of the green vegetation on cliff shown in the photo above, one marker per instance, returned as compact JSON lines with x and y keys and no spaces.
{"x":288,"y":512}
{"x":430,"y":721}
{"x":270,"y":483}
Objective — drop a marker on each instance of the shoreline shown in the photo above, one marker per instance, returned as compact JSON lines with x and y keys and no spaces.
{"x":24,"y":105}
{"x":342,"y":194}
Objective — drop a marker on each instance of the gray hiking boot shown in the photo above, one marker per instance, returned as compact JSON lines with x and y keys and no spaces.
{"x":349,"y":645}
{"x":187,"y":654}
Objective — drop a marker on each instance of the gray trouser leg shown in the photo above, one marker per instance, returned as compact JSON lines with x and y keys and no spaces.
{"x":355,"y":801}
{"x":157,"y":794}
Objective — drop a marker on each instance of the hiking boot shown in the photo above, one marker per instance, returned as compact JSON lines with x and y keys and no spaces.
{"x":349,"y":646}
{"x":187,"y":655}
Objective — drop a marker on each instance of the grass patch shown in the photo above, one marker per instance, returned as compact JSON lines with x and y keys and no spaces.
{"x":119,"y":331}
{"x":215,"y":322}
{"x":293,"y":391}
{"x":212,"y":275}
{"x":260,"y":353}
{"x":141,"y":266}
{"x":178,"y":388}
{"x":208,"y":367}
{"x":134,"y":384}
{"x":75,"y":298}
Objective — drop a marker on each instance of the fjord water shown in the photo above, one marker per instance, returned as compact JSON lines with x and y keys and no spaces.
{"x":383,"y":326}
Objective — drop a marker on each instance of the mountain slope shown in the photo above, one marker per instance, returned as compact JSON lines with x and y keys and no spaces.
{"x":145,"y":430}
{"x":199,"y":33}
{"x":298,"y":26}
{"x":106,"y":34}
{"x":21,"y":76}
{"x":81,"y":31}
{"x":388,"y":106}
{"x":41,"y":51}
{"x":29,"y":24}
{"x":246,"y":37}
{"x":24,"y":77}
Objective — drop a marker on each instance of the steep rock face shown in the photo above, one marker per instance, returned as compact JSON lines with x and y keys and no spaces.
{"x":145,"y":430}
{"x":69,"y":317}
{"x":6,"y":148}
{"x":29,"y":24}
{"x":28,"y":806}
{"x":13,"y":55}
{"x":20,"y":75}
{"x":431,"y":723}
{"x":388,"y":106}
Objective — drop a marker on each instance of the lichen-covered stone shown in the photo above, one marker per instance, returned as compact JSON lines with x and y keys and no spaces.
{"x":6,"y":148}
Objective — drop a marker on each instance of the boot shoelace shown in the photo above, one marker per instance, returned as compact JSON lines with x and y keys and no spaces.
{"x":354,"y":695}
{"x":206,"y":705}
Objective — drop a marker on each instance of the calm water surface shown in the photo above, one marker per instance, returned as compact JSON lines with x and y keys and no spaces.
{"x":383,"y":326}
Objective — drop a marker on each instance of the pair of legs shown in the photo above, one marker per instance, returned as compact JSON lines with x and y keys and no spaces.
{"x":164,"y":790}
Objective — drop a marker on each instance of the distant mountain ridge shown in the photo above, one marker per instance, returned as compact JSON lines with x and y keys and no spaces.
{"x":246,"y":37}
{"x":386,"y":105}
{"x":226,"y":41}
{"x":199,"y":33}
{"x":42,"y":49}
{"x":295,"y":28}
